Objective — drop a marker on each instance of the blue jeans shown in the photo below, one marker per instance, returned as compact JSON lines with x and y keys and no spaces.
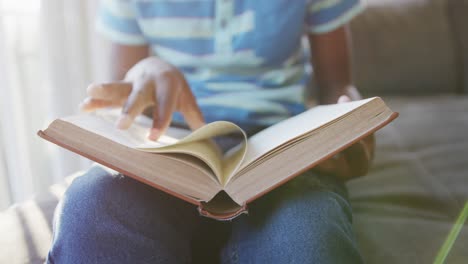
{"x":110,"y":218}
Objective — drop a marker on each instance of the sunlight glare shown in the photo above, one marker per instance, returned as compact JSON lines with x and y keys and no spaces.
{"x":22,"y":6}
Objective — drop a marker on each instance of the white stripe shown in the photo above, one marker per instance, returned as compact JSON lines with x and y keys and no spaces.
{"x":224,"y":12}
{"x":243,"y":23}
{"x":208,"y":73}
{"x":240,"y":58}
{"x":320,"y":5}
{"x":159,"y":27}
{"x":231,"y":86}
{"x":296,"y":56}
{"x":341,"y":20}
{"x":122,"y":9}
{"x":178,"y":27}
{"x":284,"y":75}
{"x":119,"y":37}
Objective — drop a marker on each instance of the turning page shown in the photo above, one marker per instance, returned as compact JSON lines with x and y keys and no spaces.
{"x":176,"y":140}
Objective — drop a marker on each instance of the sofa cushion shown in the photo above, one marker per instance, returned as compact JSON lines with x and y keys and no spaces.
{"x":457,"y":13}
{"x":405,"y":208}
{"x":26,"y":227}
{"x":405,"y":47}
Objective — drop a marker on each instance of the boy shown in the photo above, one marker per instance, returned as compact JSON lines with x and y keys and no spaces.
{"x":196,"y":61}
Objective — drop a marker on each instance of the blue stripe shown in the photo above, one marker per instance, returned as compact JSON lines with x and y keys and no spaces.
{"x":123,"y":25}
{"x":194,"y":46}
{"x":199,"y":9}
{"x":217,"y":113}
{"x":240,"y":7}
{"x":247,"y":120}
{"x":199,"y":90}
{"x":264,"y":39}
{"x":249,"y":126}
{"x":329,"y":14}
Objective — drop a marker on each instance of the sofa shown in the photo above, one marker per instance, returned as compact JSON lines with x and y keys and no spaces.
{"x":414,"y":54}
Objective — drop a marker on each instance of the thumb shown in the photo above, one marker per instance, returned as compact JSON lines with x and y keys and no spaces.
{"x":344,"y":99}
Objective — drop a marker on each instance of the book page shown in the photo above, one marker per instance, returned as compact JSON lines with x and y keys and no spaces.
{"x":233,"y":160}
{"x":273,"y":137}
{"x":197,"y":143}
{"x":223,"y":167}
{"x":181,"y":175}
{"x":302,"y":152}
{"x":103,"y":123}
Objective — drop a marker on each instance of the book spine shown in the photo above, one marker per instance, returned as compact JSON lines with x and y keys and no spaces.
{"x":223,"y":217}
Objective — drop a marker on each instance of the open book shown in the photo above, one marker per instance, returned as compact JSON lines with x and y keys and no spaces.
{"x":189,"y":165}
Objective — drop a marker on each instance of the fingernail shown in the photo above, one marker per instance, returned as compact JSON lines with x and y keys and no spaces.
{"x":92,"y":86}
{"x":124,"y":122}
{"x":153,"y":134}
{"x":84,"y":106}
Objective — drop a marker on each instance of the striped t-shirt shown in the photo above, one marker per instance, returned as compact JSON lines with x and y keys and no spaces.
{"x":242,"y":58}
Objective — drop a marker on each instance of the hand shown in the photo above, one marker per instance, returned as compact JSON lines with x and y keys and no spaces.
{"x":150,"y":82}
{"x":353,"y":161}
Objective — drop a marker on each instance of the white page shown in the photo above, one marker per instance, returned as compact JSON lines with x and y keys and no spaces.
{"x":276,"y":135}
{"x":103,"y":123}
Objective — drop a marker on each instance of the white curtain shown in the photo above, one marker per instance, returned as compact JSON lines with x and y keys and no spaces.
{"x":49,"y":53}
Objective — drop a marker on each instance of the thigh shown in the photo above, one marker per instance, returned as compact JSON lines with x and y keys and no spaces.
{"x":110,"y":218}
{"x":308,"y":220}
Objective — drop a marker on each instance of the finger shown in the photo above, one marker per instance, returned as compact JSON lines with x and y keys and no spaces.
{"x":326,"y":167}
{"x":369,"y":142}
{"x":190,"y":109}
{"x":140,"y":97}
{"x":166,"y":97}
{"x":336,"y":165}
{"x":91,"y":104}
{"x":358,"y":159}
{"x":115,"y":91}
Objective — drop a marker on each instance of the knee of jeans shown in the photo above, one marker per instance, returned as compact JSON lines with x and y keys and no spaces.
{"x":325,"y":207}
{"x":320,"y":213}
{"x":91,"y":186}
{"x":316,"y":209}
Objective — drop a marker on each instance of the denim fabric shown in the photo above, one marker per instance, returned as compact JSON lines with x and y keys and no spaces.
{"x":110,"y":218}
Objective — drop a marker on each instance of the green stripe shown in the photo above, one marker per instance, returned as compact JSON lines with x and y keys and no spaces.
{"x":448,"y":244}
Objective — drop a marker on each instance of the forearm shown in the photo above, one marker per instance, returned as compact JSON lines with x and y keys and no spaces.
{"x":331,"y":60}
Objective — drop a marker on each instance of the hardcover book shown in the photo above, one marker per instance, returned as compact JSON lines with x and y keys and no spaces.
{"x":190,"y":166}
